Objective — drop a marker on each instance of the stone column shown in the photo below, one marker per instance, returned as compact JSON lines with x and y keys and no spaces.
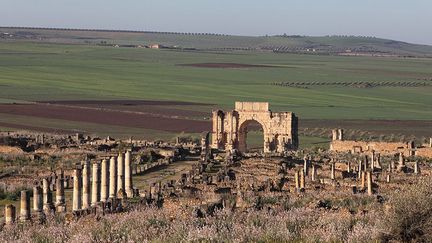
{"x":401,"y":159}
{"x":341,"y":134}
{"x":104,"y":180}
{"x":430,"y":142}
{"x":10,"y":214}
{"x":305,"y":166}
{"x":120,"y":173}
{"x":25,"y":206}
{"x":369,"y":183}
{"x":86,"y":185}
{"x":47,"y":196}
{"x":314,"y":173}
{"x":360,"y":169}
{"x":372,"y":165}
{"x":37,"y":199}
{"x":60,"y":195}
{"x":388,"y":178}
{"x":335,"y":134}
{"x":332,"y":172}
{"x":77,"y":190}
{"x":363,"y":180}
{"x":113,"y":178}
{"x":302,"y":180}
{"x":416,"y":167}
{"x":95,"y":184}
{"x":378,"y":161}
{"x":349,"y":166}
{"x":401,"y":165}
{"x":128,"y":175}
{"x":297,"y":180}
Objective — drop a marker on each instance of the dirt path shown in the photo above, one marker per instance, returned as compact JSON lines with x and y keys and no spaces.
{"x":170,"y":172}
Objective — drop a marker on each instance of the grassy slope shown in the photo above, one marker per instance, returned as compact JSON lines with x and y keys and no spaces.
{"x":45,"y":71}
{"x":217,"y":41}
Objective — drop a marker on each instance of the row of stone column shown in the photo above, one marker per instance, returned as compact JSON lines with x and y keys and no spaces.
{"x":110,"y":179}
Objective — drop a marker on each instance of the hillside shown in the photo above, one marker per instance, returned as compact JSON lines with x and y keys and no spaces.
{"x":339,"y":45}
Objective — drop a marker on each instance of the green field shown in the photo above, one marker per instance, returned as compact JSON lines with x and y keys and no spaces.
{"x":31,"y":72}
{"x":45,"y":71}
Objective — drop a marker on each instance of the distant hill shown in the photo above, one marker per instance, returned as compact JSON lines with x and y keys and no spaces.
{"x":333,"y":45}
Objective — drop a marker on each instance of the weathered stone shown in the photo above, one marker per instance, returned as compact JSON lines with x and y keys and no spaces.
{"x":37,"y":199}
{"x":47,"y":197}
{"x":120,"y":172}
{"x":113,"y":178}
{"x":369,"y":183}
{"x":104,"y":180}
{"x":96,"y":185}
{"x":86,"y":196}
{"x":128,"y":175}
{"x":60,"y":195}
{"x":25,"y":206}
{"x":10,"y":214}
{"x":230,"y":128}
{"x":77,"y":190}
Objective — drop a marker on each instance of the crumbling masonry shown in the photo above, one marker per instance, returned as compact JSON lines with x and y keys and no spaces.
{"x":230,"y":128}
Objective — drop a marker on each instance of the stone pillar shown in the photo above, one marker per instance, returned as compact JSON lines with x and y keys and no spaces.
{"x":95,"y":184}
{"x":372,"y":164}
{"x":341,"y":134}
{"x":349,"y":166}
{"x":335,"y":134}
{"x":113,"y":178}
{"x":401,"y":165}
{"x":378,"y":161}
{"x":314,"y":173}
{"x":37,"y":199}
{"x":60,"y":195}
{"x":128,"y":175}
{"x":47,"y":196}
{"x":86,"y":185}
{"x":302,"y":180}
{"x":369,"y":183}
{"x":305,"y":166}
{"x":332,"y":172}
{"x":120,"y":172}
{"x":25,"y":206}
{"x":363,"y":180}
{"x":392,"y":165}
{"x":104,"y":180}
{"x":401,"y":159}
{"x":360,"y":169}
{"x":297,"y":180}
{"x":77,"y":190}
{"x":416,"y":167}
{"x":430,"y":142}
{"x":10,"y":214}
{"x":388,"y":178}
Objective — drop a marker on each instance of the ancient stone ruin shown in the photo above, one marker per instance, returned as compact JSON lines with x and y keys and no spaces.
{"x":339,"y":144}
{"x":230,"y":128}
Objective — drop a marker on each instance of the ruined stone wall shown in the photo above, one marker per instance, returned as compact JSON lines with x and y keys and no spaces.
{"x":385,"y":148}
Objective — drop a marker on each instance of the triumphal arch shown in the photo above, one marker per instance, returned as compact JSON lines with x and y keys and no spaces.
{"x":230,"y":128}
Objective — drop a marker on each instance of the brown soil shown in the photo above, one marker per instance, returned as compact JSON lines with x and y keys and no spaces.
{"x":108,"y":117}
{"x":226,"y":65}
{"x":121,"y":102}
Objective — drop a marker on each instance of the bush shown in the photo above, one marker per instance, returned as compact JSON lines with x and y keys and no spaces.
{"x":410,"y":215}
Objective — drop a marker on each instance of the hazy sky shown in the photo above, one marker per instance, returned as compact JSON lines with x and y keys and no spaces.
{"x":406,"y":20}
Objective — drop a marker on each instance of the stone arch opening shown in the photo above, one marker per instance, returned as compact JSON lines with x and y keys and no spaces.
{"x":230,"y":129}
{"x":251,"y":136}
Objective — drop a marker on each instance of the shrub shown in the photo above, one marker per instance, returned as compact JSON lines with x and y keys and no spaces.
{"x":410,"y":215}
